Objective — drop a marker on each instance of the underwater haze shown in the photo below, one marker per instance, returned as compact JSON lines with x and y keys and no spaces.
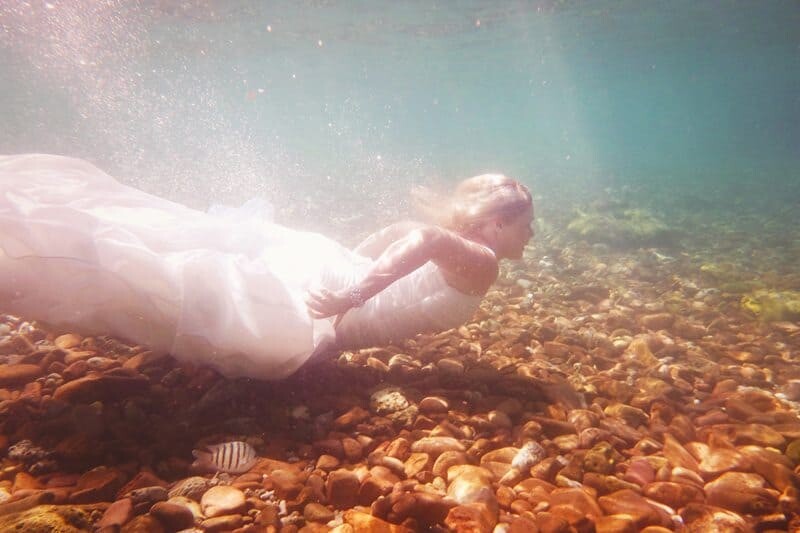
{"x":206,"y":101}
{"x":637,"y":366}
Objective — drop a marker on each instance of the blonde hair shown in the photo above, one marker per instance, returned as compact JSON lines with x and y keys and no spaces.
{"x":474,"y":201}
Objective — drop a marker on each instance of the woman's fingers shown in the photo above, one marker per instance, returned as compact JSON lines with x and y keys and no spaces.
{"x":317,"y":314}
{"x":319,"y":294}
{"x":317,"y":297}
{"x":321,"y":303}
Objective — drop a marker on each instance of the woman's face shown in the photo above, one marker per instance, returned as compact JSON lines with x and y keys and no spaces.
{"x":514,"y":234}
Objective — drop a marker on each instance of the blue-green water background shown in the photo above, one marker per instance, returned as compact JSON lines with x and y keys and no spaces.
{"x":351,"y":100}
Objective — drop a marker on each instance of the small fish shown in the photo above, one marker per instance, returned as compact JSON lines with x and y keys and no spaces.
{"x":233,"y":457}
{"x":663,"y":258}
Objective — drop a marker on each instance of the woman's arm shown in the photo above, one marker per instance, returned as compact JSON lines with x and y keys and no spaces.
{"x":374,"y":245}
{"x":467,"y":260}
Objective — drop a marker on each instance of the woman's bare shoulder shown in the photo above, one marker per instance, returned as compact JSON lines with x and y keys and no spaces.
{"x":374,"y":245}
{"x":467,"y":265}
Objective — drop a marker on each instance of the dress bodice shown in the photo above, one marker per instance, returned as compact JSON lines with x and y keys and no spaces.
{"x":419,"y":302}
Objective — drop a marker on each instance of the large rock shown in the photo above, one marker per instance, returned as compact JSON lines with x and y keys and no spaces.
{"x":222,"y":500}
{"x":98,"y":485}
{"x":342,"y":488}
{"x":435,"y":446}
{"x":173,"y":515}
{"x":102,"y":387}
{"x":741,"y":492}
{"x":17,"y":374}
{"x":118,"y":514}
{"x":366,"y":522}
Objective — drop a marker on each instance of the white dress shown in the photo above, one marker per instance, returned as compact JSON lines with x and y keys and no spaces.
{"x":224,"y":288}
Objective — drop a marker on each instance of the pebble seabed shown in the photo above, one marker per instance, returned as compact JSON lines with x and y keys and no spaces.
{"x":609,"y":394}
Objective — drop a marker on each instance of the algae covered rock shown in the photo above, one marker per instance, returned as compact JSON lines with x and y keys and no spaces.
{"x":628,"y":227}
{"x":51,"y":519}
{"x":773,"y":306}
{"x":730,"y":278}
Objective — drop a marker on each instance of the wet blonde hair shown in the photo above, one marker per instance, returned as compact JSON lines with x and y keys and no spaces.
{"x":475,"y":201}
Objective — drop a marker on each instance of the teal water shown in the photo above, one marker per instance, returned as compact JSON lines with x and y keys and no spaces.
{"x":203,"y":101}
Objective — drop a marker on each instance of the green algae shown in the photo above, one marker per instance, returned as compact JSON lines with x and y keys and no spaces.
{"x":622,"y":228}
{"x":741,"y":287}
{"x":773,"y":306}
{"x":49,"y":519}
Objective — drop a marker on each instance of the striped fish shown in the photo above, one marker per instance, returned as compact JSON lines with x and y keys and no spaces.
{"x":233,"y":457}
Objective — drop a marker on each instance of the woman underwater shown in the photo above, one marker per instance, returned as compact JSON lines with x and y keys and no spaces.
{"x":231,"y":289}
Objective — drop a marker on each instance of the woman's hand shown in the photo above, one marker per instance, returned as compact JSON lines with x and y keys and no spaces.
{"x":323,"y":303}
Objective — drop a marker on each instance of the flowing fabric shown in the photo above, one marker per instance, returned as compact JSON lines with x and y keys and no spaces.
{"x":223,"y":288}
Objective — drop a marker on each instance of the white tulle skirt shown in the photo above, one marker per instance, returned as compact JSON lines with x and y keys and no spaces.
{"x":224,"y":288}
